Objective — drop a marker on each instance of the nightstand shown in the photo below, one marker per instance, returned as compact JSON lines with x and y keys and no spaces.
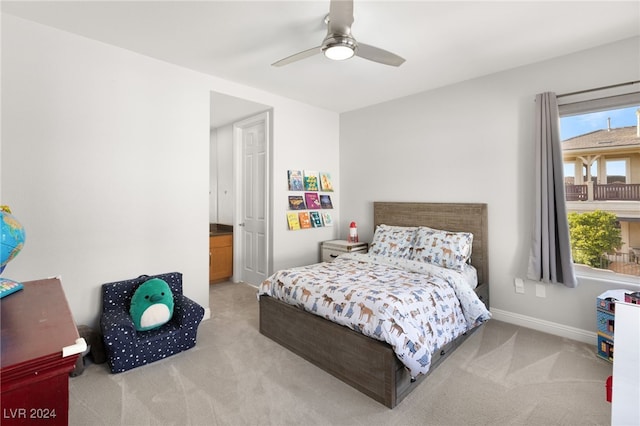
{"x":334,"y":248}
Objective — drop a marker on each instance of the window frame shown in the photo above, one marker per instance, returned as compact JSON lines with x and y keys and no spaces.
{"x":594,"y":101}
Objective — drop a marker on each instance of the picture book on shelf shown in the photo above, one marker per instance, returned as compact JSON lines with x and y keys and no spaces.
{"x":316,"y":220}
{"x":326,"y":219}
{"x":305,"y":220}
{"x":296,"y":202}
{"x":295,"y":180}
{"x":292,"y":221}
{"x":310,"y":180}
{"x":312,"y":200}
{"x":325,"y":201}
{"x":325,"y":182}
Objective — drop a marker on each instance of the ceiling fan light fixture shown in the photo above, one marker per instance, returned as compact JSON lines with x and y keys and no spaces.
{"x":339,"y":44}
{"x":339,"y":52}
{"x":339,"y":48}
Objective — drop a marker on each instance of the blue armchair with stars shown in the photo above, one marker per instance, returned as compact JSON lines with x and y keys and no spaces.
{"x":146,"y":319}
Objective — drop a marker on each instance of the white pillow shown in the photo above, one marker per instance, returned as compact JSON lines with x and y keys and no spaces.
{"x":450,"y":250}
{"x":393,"y":241}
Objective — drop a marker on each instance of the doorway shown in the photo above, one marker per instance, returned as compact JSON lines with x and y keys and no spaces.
{"x":226,"y":188}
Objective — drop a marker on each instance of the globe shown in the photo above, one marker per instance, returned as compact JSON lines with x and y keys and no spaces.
{"x":11,"y":237}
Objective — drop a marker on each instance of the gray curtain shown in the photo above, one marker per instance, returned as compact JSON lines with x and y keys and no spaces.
{"x":550,"y":259}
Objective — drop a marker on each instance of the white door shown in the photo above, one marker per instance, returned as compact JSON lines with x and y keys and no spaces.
{"x":251,"y":139}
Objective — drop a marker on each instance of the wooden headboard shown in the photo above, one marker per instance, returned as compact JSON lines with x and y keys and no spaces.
{"x":457,"y":217}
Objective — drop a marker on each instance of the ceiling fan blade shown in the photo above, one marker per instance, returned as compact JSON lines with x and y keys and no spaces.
{"x":376,"y":54}
{"x":340,"y":17}
{"x":297,"y":57}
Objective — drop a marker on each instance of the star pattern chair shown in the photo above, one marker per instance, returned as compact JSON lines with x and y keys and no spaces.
{"x":127,"y":348}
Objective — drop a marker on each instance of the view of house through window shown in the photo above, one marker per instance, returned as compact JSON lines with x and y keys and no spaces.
{"x":601,"y":153}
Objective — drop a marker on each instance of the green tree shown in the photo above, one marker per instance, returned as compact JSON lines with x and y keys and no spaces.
{"x":593,"y":234}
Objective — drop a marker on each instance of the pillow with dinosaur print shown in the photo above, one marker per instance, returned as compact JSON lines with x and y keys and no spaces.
{"x":450,"y":250}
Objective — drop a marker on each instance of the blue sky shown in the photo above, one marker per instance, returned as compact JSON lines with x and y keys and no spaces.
{"x":586,"y":123}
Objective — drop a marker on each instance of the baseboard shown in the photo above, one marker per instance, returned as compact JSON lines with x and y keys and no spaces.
{"x":545,"y":326}
{"x":207,"y":314}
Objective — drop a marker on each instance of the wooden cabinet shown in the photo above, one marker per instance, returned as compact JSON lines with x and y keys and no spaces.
{"x":220,"y":257}
{"x":39,"y":337}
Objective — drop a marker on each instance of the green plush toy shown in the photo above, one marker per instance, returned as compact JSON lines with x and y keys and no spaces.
{"x":151,"y":304}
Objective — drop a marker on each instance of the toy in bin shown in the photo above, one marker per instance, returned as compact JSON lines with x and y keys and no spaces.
{"x":607,"y":300}
{"x":633,"y":298}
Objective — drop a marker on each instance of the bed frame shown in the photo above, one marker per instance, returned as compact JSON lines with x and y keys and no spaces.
{"x":367,"y":364}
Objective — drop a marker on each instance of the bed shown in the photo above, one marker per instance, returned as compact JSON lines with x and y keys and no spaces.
{"x":370,"y":365}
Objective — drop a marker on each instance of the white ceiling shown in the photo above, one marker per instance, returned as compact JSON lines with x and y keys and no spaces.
{"x":443,"y":42}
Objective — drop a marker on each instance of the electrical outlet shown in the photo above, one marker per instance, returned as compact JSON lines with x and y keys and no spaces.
{"x":541,"y":291}
{"x":519,"y":283}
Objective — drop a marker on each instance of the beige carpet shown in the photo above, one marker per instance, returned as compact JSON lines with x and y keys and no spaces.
{"x":502,"y":375}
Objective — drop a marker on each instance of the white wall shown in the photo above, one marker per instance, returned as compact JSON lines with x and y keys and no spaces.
{"x":222,"y":194}
{"x":213,"y":176}
{"x":473,"y":142}
{"x":105,"y":161}
{"x":314,"y":146}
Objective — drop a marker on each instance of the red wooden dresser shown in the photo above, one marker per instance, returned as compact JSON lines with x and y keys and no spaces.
{"x":36,"y":325}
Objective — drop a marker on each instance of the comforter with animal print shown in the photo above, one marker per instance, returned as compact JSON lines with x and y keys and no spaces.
{"x":413,"y":306}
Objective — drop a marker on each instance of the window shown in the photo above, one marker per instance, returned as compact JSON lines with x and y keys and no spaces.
{"x":601,"y":152}
{"x":617,"y":171}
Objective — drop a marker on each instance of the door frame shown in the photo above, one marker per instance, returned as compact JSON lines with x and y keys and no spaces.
{"x":238,"y":244}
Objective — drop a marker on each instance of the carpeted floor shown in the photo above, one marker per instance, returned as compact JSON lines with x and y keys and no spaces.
{"x":502,"y":375}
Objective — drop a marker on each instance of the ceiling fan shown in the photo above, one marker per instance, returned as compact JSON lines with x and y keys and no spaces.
{"x":339,"y":44}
